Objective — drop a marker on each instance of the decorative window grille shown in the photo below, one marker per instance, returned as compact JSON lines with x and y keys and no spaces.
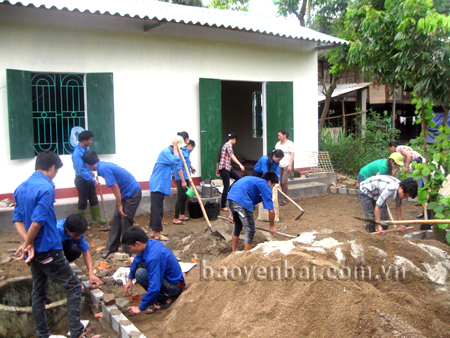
{"x":58,"y":106}
{"x":257,"y":115}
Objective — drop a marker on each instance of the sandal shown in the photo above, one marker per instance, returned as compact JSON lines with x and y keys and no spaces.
{"x":151,"y":310}
{"x":283,"y":203}
{"x":105,"y":254}
{"x":164,"y":305}
{"x":225,"y":209}
{"x":179,"y":223}
{"x":162,"y":238}
{"x":153,"y":237}
{"x":186,"y":219}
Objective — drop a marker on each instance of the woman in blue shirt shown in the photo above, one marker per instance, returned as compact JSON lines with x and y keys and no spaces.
{"x":269,"y":162}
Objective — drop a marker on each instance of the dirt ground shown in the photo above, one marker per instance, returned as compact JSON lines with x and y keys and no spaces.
{"x":207,"y":308}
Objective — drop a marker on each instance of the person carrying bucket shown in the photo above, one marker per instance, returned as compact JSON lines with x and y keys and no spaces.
{"x":180,"y":205}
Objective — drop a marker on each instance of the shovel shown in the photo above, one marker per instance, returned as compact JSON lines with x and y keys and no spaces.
{"x":415,"y":221}
{"x":290,"y":199}
{"x":391,"y":230}
{"x":214,"y":232}
{"x":106,"y":227}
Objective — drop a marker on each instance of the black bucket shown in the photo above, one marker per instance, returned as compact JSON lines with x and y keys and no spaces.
{"x":194,"y":210}
{"x":212,"y":210}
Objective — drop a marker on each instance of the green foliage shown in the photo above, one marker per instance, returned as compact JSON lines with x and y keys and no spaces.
{"x":197,"y":3}
{"x":349,"y":154}
{"x":234,"y":5}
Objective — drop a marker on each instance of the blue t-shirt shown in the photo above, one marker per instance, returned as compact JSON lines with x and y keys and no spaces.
{"x":34,"y":203}
{"x":251,"y":190}
{"x":80,"y":243}
{"x":160,"y":178}
{"x":160,"y":263}
{"x":78,"y":165}
{"x":113,"y":174}
{"x":262,"y":166}
{"x":186,"y":154}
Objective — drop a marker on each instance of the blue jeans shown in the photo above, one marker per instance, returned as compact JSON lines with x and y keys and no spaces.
{"x":60,"y":271}
{"x":360,"y":178}
{"x":242,"y":219}
{"x":168,"y":290}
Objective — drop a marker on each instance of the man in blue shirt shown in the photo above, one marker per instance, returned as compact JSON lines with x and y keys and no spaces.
{"x":180,"y":205}
{"x":127,"y":192}
{"x":160,"y":182}
{"x":71,"y":231}
{"x":242,"y":198}
{"x":35,"y":221}
{"x":156,"y":269}
{"x":85,"y":179}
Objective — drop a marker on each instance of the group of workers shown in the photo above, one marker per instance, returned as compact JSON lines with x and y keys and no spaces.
{"x":49,"y":245}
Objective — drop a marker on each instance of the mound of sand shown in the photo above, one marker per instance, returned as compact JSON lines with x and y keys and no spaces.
{"x":314,"y":286}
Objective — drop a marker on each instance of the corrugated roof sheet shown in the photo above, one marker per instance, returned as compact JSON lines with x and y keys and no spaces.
{"x":156,"y":10}
{"x":342,"y":89}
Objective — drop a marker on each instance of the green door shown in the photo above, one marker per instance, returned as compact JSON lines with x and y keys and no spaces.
{"x":210,"y":124}
{"x":279,"y":111}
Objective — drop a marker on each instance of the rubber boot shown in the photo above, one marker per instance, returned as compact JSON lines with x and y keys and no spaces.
{"x":80,"y":212}
{"x":95,"y":214}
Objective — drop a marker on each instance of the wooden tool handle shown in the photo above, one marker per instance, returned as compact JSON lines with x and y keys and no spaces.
{"x":290,"y":199}
{"x":391,"y":230}
{"x":193,"y":186}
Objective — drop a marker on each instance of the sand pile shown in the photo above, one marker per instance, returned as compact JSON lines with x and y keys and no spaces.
{"x":315,"y":286}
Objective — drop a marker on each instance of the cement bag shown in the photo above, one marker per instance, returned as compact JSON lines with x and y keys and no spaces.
{"x":263,"y":214}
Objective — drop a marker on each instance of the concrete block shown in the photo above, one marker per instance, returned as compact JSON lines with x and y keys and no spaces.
{"x":109,"y":299}
{"x":122,"y":263}
{"x":116,"y":317}
{"x":333,"y":190}
{"x":136,"y":334}
{"x":428,"y":233}
{"x":106,"y":310}
{"x":97,"y":297}
{"x":122,"y":302}
{"x":342,"y":191}
{"x":353,"y":191}
{"x":120,"y":256}
{"x":416,"y":234}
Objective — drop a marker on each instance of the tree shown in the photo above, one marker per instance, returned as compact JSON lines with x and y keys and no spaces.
{"x":406,"y":42}
{"x":197,"y":3}
{"x":234,"y":5}
{"x":296,"y":7}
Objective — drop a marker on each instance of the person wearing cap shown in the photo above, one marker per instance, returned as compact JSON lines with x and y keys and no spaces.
{"x":156,"y":269}
{"x":269,"y":162}
{"x":409,"y":155}
{"x":374,"y":193}
{"x":381,"y":167}
{"x":128,"y":194}
{"x":180,"y":205}
{"x":160,"y":184}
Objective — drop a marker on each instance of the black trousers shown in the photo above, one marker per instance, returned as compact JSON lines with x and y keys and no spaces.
{"x":120,"y":224}
{"x":225,"y":174}
{"x":86,"y":191}
{"x":156,"y":210}
{"x":70,"y":251}
{"x":180,"y":205}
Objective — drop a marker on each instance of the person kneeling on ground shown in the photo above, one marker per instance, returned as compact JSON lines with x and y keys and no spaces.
{"x":374,"y":193}
{"x":244,"y":195}
{"x":156,"y":269}
{"x":71,"y":231}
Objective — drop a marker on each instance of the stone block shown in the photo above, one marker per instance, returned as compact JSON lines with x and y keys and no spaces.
{"x":333,"y":190}
{"x":109,"y":299}
{"x":353,"y":191}
{"x":342,"y":191}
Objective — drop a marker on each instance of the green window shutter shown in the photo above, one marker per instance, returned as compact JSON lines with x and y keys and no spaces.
{"x":280,"y":111}
{"x":210,"y":124}
{"x":20,"y":116}
{"x":100,"y":111}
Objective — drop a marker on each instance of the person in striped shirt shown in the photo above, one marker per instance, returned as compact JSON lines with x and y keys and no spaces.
{"x":374,"y":193}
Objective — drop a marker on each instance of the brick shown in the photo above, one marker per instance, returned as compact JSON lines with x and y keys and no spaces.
{"x":353,"y":191}
{"x":106,"y":310}
{"x":118,"y":256}
{"x":116,"y":319}
{"x":342,"y":191}
{"x":122,"y":263}
{"x":122,"y":302}
{"x":97,"y":297}
{"x":109,"y":299}
{"x":333,"y":190}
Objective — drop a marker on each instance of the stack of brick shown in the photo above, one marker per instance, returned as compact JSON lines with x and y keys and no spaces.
{"x":121,"y":259}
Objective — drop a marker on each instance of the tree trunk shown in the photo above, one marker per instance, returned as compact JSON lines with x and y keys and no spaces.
{"x":326,"y":106}
{"x":393,"y":110}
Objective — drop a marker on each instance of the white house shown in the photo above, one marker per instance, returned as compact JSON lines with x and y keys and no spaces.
{"x":137,"y":72}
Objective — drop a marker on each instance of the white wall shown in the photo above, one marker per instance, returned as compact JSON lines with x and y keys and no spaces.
{"x":155,"y":87}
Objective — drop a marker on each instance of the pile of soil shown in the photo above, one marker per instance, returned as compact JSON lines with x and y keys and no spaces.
{"x":228,"y":304}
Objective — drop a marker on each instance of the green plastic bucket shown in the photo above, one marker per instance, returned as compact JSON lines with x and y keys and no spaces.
{"x":190,"y":192}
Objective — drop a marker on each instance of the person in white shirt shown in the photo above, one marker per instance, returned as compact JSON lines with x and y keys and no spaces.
{"x":287,"y":163}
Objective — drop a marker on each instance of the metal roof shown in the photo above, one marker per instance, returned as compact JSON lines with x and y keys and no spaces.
{"x":162,"y":11}
{"x":342,"y":89}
